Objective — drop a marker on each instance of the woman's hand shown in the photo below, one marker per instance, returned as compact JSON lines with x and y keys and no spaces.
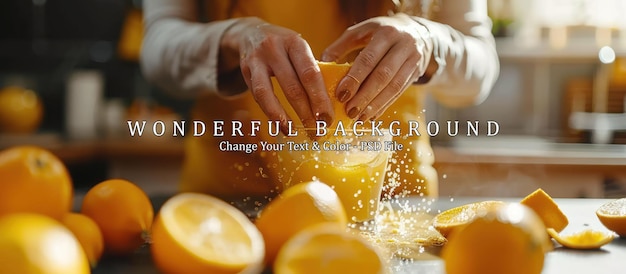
{"x":267,"y":50}
{"x":396,"y":52}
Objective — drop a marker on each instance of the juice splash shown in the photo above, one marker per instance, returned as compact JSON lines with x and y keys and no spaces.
{"x":356,"y":174}
{"x":405,"y":230}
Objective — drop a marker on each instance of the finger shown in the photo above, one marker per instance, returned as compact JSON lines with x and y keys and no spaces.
{"x":292,"y":89}
{"x":406,"y":74}
{"x":245,"y":71}
{"x":312,"y":81}
{"x":393,"y":99}
{"x":355,"y":37}
{"x":362,"y":67}
{"x":261,"y":88}
{"x":377,"y":81}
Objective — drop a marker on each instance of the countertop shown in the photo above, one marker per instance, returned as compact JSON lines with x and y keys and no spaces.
{"x":581,"y":213}
{"x":529,"y":150}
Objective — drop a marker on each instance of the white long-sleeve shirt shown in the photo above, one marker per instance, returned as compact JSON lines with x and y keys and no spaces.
{"x":180,"y":54}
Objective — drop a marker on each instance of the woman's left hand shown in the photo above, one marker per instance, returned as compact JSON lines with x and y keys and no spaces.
{"x":396,"y":50}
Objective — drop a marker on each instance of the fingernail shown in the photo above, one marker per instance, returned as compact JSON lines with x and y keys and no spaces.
{"x":284,"y":128}
{"x":343,"y":96}
{"x":311,"y":134}
{"x":353,"y":112}
{"x":326,"y":118}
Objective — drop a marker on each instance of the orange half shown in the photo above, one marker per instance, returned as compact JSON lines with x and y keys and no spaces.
{"x":451,"y":219}
{"x":613,"y":216}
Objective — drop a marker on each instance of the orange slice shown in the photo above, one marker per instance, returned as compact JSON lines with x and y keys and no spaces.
{"x":585,"y":239}
{"x":449,"y":220}
{"x":547,"y":209}
{"x":198,"y":233}
{"x":613,"y":216}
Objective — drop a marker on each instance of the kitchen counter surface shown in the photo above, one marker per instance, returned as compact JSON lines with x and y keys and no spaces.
{"x":529,"y":150}
{"x":581,"y":213}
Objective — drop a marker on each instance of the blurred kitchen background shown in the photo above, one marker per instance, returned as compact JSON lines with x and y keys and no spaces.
{"x":70,"y":79}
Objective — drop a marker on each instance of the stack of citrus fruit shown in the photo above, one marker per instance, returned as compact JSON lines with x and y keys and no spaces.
{"x":40,"y":233}
{"x":35,"y":197}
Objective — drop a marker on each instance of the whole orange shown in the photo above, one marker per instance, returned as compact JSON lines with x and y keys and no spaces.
{"x":88,"y":235}
{"x":21,"y":110}
{"x":34,"y":243}
{"x":34,"y":180}
{"x":502,"y":238}
{"x":123,"y":212}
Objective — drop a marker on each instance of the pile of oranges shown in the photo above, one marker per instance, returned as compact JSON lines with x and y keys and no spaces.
{"x":39,"y":232}
{"x":192,"y":233}
{"x":303,"y":230}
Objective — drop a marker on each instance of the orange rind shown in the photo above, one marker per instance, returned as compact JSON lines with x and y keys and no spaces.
{"x":547,"y":209}
{"x":584,"y":239}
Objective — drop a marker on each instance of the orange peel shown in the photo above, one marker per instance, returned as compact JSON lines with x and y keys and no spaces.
{"x":584,"y":239}
{"x":547,"y":209}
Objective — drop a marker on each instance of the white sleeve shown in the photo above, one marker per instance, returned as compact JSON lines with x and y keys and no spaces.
{"x":178,"y":53}
{"x":466,"y":53}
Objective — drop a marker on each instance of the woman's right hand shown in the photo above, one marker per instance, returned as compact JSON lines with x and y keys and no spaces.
{"x":267,"y":50}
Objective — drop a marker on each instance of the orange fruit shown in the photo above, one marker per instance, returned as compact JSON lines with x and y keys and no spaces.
{"x":547,"y":209}
{"x":451,"y":219}
{"x":198,"y":233}
{"x":329,"y":249}
{"x":123,"y":213}
{"x":297,"y":208}
{"x":507,"y":238}
{"x":584,"y":239}
{"x":613,"y":216}
{"x":35,"y":243}
{"x":333,"y":73}
{"x":88,"y":235}
{"x":21,"y":110}
{"x":32,"y":179}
